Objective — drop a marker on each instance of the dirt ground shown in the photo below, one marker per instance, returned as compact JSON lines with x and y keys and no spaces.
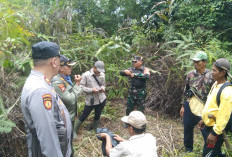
{"x":168,"y":132}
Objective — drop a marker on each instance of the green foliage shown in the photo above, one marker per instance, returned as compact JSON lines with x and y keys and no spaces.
{"x":109,"y":112}
{"x":6,"y":125}
{"x":11,"y":18}
{"x":118,"y":92}
{"x":116,"y":58}
{"x":86,"y":48}
{"x":112,"y":14}
{"x":206,"y":14}
{"x":217,"y":49}
{"x":227,"y":151}
{"x":113,"y":31}
{"x":149,"y":27}
{"x":186,"y":46}
{"x":183,"y":48}
{"x":14,"y":37}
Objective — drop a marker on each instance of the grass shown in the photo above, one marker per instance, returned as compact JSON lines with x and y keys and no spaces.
{"x":168,"y":133}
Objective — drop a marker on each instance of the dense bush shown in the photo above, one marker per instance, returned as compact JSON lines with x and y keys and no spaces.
{"x":214,"y":16}
{"x":166,"y":33}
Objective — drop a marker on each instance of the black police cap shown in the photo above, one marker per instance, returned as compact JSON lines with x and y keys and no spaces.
{"x":66,"y":61}
{"x":44,"y":50}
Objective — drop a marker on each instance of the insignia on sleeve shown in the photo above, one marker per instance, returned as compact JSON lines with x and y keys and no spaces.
{"x":47,"y":101}
{"x":62,"y":87}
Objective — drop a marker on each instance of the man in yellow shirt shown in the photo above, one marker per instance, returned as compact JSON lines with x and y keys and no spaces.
{"x":222,"y":111}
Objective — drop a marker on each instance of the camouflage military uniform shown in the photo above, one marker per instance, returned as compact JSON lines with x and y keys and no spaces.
{"x":137,"y":91}
{"x":68,"y":93}
{"x":197,"y":85}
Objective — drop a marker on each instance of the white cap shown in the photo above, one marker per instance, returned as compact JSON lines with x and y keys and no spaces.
{"x":100,"y":66}
{"x":136,"y":119}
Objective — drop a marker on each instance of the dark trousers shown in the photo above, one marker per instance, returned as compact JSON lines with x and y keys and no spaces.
{"x":97,"y":110}
{"x":209,"y":151}
{"x":216,"y":150}
{"x":72,"y":140}
{"x":190,"y":120}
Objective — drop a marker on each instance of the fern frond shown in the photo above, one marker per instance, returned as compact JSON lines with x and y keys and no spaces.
{"x":6,"y":126}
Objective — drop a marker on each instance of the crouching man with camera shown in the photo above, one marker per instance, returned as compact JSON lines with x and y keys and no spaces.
{"x":139,"y":144}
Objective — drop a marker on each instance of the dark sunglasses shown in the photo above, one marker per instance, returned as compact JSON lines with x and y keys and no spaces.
{"x":126,"y":125}
{"x":66,"y":65}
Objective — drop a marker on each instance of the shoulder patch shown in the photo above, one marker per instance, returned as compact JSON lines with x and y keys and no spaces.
{"x":47,"y":101}
{"x":62,"y":87}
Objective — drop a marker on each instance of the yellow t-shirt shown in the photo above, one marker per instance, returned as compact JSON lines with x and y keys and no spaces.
{"x":222,"y":113}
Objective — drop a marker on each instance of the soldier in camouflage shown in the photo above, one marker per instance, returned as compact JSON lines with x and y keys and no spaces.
{"x":198,"y":84}
{"x":137,"y":93}
{"x":67,"y":90}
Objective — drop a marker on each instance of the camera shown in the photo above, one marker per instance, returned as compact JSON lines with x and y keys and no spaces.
{"x":92,"y":101}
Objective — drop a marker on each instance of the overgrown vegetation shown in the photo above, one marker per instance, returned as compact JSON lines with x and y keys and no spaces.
{"x":166,"y":33}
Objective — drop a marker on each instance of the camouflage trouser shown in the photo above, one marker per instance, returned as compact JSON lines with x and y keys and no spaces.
{"x":136,"y":100}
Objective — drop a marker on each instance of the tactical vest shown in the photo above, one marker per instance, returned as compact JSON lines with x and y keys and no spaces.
{"x":138,"y":83}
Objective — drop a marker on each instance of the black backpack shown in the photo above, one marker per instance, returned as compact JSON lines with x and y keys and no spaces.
{"x":229,"y":124}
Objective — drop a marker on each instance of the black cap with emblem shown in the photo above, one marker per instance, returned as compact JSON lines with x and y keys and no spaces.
{"x":66,"y":61}
{"x":44,"y":50}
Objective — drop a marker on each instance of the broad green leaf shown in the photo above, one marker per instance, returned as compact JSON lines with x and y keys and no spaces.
{"x":115,"y":46}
